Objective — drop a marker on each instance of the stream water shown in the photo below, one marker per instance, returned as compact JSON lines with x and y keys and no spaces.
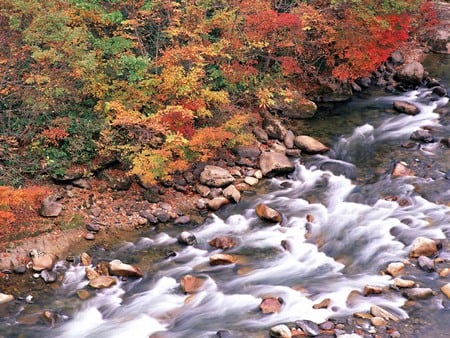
{"x":357,"y":228}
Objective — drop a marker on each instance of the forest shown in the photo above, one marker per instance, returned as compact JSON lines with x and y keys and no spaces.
{"x":157,"y":85}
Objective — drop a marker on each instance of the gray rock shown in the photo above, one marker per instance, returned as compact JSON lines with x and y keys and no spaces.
{"x":289,"y":139}
{"x":410,"y":74}
{"x":396,"y":58}
{"x":182,"y":220}
{"x":48,"y":276}
{"x":418,"y":293}
{"x":50,"y":208}
{"x":424,"y":136}
{"x":94,"y":227}
{"x":260,"y":135}
{"x":426,"y":264}
{"x":274,"y":128}
{"x":272,"y":164}
{"x":247,"y":151}
{"x":162,"y":215}
{"x":214,"y":176}
{"x":232,"y":193}
{"x":187,"y":238}
{"x":309,"y":327}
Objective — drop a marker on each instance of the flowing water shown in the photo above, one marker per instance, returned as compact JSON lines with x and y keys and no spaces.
{"x":357,"y":227}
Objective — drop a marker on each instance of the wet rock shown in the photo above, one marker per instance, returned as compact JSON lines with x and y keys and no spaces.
{"x":395,"y":268}
{"x":310,"y":145}
{"x":221,"y":259}
{"x":278,"y":148}
{"x":440,"y":91}
{"x":187,"y":238}
{"x":445,"y":272}
{"x":406,"y":108}
{"x":270,"y":305}
{"x":232,"y":193}
{"x":20,"y":270}
{"x":411,"y":74}
{"x":377,"y":311}
{"x":4,"y":298}
{"x":50,"y":317}
{"x":424,"y":136}
{"x":372,"y":290}
{"x":182,"y":220}
{"x":378,"y":321}
{"x":426,"y":264}
{"x":446,"y":290}
{"x":83,"y":294}
{"x":217,"y":203}
{"x":118,"y":268}
{"x":48,"y":276}
{"x":293,"y":152}
{"x":280,"y":331}
{"x":161,"y":215}
{"x":404,"y":283}
{"x":423,"y":246}
{"x":102,"y":268}
{"x":91,"y":273}
{"x":191,"y":284}
{"x":327,"y":326}
{"x":50,"y":208}
{"x":214,"y":176}
{"x":273,"y":164}
{"x":223,"y":334}
{"x":265,"y":212}
{"x":42,"y":261}
{"x":223,"y":242}
{"x":102,"y":282}
{"x":401,"y":170}
{"x":260,"y":135}
{"x":323,"y":304}
{"x":418,"y":293}
{"x":308,"y":327}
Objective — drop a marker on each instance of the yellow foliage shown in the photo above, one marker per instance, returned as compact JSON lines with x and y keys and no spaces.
{"x":150,"y":165}
{"x":207,"y":141}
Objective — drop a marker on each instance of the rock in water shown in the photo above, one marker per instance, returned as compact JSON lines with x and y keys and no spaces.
{"x":191,"y":284}
{"x":267,"y":213}
{"x":117,"y":268}
{"x":102,"y":282}
{"x":280,"y":331}
{"x":273,"y":163}
{"x":310,"y":145}
{"x":423,"y":246}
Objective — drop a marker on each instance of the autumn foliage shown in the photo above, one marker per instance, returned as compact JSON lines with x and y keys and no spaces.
{"x":148,"y":83}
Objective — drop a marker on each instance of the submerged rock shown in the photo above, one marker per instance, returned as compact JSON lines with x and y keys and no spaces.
{"x":271,"y":305}
{"x":221,"y":259}
{"x":223,"y":242}
{"x":191,"y":284}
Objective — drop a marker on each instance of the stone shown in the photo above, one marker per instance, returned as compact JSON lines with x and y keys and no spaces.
{"x":89,"y":236}
{"x":310,"y":328}
{"x":395,"y":268}
{"x":251,"y":181}
{"x":4,"y":298}
{"x":372,"y":290}
{"x":274,"y":128}
{"x":273,"y":163}
{"x":410,"y":74}
{"x":83,"y":294}
{"x":278,"y":147}
{"x":118,"y":268}
{"x":20,"y":270}
{"x":422,"y":246}
{"x":50,"y":317}
{"x":270,"y":305}
{"x":221,"y":259}
{"x":310,"y":145}
{"x":93,"y":227}
{"x":223,"y":334}
{"x":378,"y":321}
{"x":280,"y":331}
{"x":289,"y":139}
{"x":377,"y":311}
{"x":223,"y":242}
{"x":247,"y":151}
{"x":187,"y":238}
{"x":260,"y":135}
{"x":217,"y":203}
{"x":445,"y":272}
{"x":162,"y":215}
{"x":214,"y":176}
{"x":203,"y":190}
{"x":82,"y":183}
{"x":440,"y":91}
{"x":293,"y":152}
{"x":404,"y":283}
{"x":91,"y":273}
{"x":182,"y":220}
{"x":426,"y":264}
{"x":446,"y":289}
{"x":401,"y":170}
{"x":422,"y":135}
{"x":265,"y":212}
{"x":396,"y":58}
{"x":48,"y":276}
{"x":42,"y":261}
{"x":50,"y":208}
{"x":191,"y":284}
{"x":406,"y":108}
{"x":102,"y":282}
{"x":418,"y":293}
{"x":232,"y":193}
{"x":322,"y":304}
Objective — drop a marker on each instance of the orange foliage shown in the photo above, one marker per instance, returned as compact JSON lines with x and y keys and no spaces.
{"x":207,"y":141}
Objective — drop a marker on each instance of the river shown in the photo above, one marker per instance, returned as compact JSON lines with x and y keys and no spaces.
{"x":343,"y":223}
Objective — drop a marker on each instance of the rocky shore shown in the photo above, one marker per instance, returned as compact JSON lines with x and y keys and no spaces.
{"x":107,"y":206}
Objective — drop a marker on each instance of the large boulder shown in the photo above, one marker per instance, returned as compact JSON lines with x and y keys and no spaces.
{"x":214,"y":176}
{"x":273,"y":127}
{"x":411,"y":74}
{"x":274,"y":163}
{"x":310,"y":145}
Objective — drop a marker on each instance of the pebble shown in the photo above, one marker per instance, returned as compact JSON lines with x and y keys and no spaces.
{"x":4,"y":298}
{"x":89,"y":236}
